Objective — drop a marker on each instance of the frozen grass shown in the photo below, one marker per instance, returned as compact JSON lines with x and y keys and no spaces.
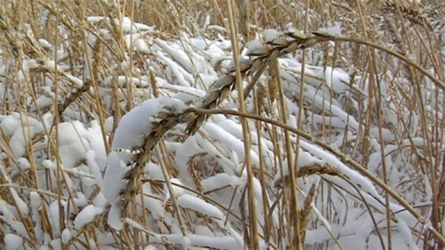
{"x":137,"y":125}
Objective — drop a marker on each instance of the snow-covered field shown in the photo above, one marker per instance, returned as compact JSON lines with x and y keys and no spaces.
{"x":116,"y":137}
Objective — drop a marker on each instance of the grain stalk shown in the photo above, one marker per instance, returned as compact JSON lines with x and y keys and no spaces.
{"x":253,"y":239}
{"x":374,"y":83}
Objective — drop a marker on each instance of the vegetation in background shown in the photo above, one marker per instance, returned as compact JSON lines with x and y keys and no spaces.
{"x":123,"y":126}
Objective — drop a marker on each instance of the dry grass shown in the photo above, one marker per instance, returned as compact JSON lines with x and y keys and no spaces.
{"x":405,"y":45}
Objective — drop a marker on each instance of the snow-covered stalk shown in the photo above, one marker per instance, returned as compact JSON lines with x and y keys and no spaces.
{"x":136,"y":135}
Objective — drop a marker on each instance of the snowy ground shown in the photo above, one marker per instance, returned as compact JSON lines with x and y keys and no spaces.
{"x":92,"y":182}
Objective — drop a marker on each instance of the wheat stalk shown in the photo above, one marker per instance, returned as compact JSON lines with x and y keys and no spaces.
{"x":409,"y":12}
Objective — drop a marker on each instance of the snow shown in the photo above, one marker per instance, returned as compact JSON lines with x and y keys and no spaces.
{"x":19,"y":140}
{"x":9,"y":125}
{"x":150,"y":248}
{"x":86,"y":216}
{"x":9,"y":219}
{"x":197,"y":204}
{"x":202,"y":241}
{"x":406,"y":233}
{"x":333,"y":31}
{"x":153,"y":205}
{"x":20,"y":204}
{"x":127,"y":24}
{"x":45,"y":44}
{"x":95,"y":169}
{"x":66,"y":235}
{"x":179,"y":56}
{"x":35,"y":205}
{"x":12,"y":242}
{"x":115,"y":217}
{"x":113,"y":178}
{"x":219,"y":181}
{"x":137,"y":42}
{"x":176,"y":186}
{"x":136,"y":123}
{"x":271,"y":34}
{"x":72,"y":143}
{"x":217,"y":133}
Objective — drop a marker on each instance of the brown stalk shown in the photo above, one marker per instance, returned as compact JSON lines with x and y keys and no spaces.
{"x":254,"y":241}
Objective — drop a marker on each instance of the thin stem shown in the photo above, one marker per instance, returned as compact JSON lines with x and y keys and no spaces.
{"x":254,"y":241}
